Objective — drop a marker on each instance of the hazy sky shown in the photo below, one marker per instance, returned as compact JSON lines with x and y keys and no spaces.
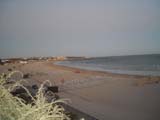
{"x":79,"y":27}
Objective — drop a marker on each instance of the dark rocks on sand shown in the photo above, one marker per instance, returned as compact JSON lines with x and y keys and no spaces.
{"x":34,"y":86}
{"x":10,"y":69}
{"x":27,"y":99}
{"x":53,"y":89}
{"x":50,"y":96}
{"x":26,"y":75}
{"x":22,"y":93}
{"x":18,"y":90}
{"x":49,"y":93}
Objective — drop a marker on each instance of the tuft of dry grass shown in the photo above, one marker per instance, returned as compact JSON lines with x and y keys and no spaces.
{"x":14,"y":108}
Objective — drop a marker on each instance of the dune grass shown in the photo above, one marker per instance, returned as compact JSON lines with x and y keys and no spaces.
{"x":14,"y":108}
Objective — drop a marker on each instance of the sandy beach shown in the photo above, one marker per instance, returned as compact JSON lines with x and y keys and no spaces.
{"x":100,"y":94}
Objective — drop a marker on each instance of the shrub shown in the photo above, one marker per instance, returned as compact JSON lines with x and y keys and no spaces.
{"x":14,"y":108}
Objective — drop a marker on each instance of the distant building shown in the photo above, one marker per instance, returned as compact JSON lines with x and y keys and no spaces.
{"x":76,"y":58}
{"x":60,"y":58}
{"x":23,"y":62}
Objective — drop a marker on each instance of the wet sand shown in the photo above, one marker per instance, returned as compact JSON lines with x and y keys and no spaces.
{"x":100,"y":94}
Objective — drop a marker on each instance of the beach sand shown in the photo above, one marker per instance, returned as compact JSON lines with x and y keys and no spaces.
{"x":99,"y":94}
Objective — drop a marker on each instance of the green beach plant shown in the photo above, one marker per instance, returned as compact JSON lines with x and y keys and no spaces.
{"x":15,"y":108}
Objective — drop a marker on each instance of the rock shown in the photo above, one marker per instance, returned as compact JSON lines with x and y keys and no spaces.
{"x":56,"y":96}
{"x":53,"y":89}
{"x":10,"y":69}
{"x":25,"y":97}
{"x":50,"y":96}
{"x":32,"y":90}
{"x":22,"y":93}
{"x":18,"y":90}
{"x":34,"y":86}
{"x":26,"y":75}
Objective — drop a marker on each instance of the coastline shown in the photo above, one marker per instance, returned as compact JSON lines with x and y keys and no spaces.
{"x":146,"y":79}
{"x":100,"y":94}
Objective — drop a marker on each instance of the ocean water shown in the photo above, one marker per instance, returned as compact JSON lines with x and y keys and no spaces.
{"x":134,"y":64}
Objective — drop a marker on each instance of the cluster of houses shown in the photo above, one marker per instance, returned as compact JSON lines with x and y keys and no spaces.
{"x":31,"y":59}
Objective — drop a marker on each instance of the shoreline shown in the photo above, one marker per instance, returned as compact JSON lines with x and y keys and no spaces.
{"x":109,"y":74}
{"x":106,"y":72}
{"x":51,"y":66}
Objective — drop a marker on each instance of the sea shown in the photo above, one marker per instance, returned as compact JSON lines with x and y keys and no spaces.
{"x":148,"y":65}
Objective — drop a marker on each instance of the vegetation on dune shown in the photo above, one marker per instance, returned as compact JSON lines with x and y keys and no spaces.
{"x":15,"y":108}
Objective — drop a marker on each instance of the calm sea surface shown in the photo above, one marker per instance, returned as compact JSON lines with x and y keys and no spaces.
{"x":134,"y":65}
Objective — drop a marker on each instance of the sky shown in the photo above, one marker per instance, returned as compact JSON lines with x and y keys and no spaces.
{"x":79,"y":27}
